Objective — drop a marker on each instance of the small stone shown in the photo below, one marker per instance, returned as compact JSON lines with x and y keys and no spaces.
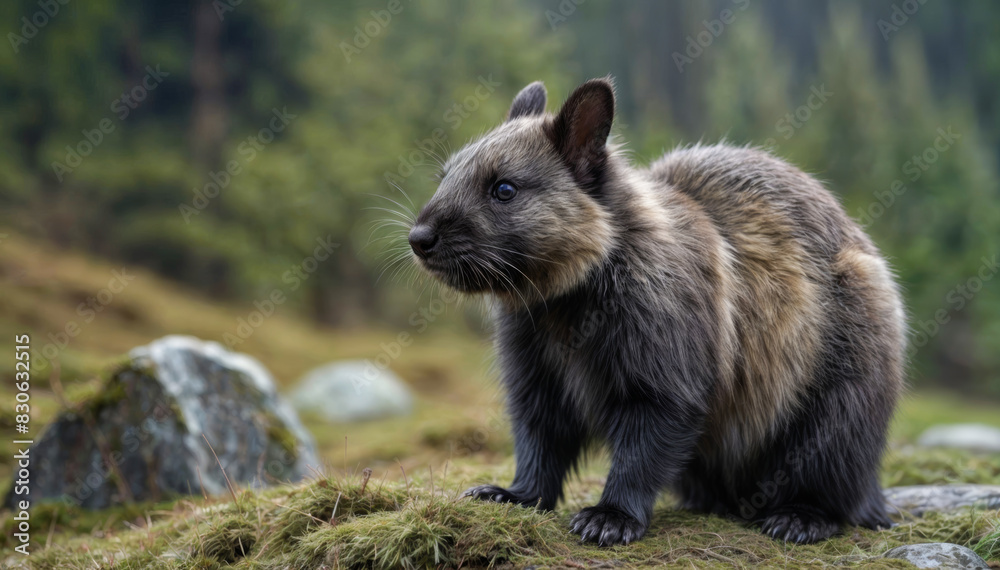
{"x":352,"y":391}
{"x":972,"y":437}
{"x":938,"y":555}
{"x":144,"y":436}
{"x":919,"y":499}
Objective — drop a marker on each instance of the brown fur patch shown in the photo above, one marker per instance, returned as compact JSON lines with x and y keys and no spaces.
{"x":770,"y":294}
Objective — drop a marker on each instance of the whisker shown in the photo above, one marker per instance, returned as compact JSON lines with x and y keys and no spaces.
{"x":429,"y":284}
{"x":403,"y":192}
{"x":401,"y":269}
{"x":514,"y":288}
{"x":395,"y":261}
{"x":546,"y":260}
{"x":391,"y":211}
{"x":408,"y":210}
{"x":400,"y":235}
{"x":386,"y":264}
{"x":383,"y":223}
{"x":512,"y":266}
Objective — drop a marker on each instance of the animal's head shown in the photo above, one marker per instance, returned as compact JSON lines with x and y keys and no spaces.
{"x":517,"y":211}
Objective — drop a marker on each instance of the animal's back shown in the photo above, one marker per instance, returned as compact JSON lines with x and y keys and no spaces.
{"x":793,"y":255}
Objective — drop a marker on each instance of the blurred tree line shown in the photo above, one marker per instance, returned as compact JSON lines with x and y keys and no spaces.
{"x":218,"y":142}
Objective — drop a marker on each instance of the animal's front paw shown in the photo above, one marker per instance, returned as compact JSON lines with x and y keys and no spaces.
{"x":498,"y":495}
{"x":607,"y":526}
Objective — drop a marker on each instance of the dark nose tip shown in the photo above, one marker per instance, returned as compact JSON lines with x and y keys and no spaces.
{"x":422,"y":240}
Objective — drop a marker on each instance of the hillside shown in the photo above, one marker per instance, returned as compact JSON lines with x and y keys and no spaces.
{"x":44,"y":293}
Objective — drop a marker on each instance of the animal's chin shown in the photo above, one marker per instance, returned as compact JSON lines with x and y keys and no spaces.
{"x":462,"y":278}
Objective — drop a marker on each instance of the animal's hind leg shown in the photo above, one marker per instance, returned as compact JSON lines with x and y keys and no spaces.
{"x":833,"y":450}
{"x":864,"y":369}
{"x":871,"y":512}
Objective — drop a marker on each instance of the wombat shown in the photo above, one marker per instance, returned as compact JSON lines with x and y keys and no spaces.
{"x":716,"y":320}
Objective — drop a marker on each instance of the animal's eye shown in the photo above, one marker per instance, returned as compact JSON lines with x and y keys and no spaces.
{"x":504,"y":191}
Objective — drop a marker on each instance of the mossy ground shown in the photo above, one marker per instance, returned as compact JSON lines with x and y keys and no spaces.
{"x":409,"y":512}
{"x":421,"y":521}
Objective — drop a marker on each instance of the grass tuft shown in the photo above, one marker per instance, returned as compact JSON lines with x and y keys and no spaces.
{"x":989,"y":546}
{"x":227,"y":539}
{"x":333,"y":499}
{"x":965,"y":527}
{"x":431,"y":531}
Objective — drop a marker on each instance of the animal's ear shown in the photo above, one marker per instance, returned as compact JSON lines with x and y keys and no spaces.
{"x":580,"y":130}
{"x":530,"y":101}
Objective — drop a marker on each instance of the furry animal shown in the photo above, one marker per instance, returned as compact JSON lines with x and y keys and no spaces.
{"x":715,"y":319}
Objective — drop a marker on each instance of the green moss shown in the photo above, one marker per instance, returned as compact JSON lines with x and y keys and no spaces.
{"x":95,"y":395}
{"x":279,"y":433}
{"x":404,"y":524}
{"x":916,"y":466}
{"x":966,"y":527}
{"x":110,"y":395}
{"x":343,"y":522}
{"x":83,"y":390}
{"x":61,"y":519}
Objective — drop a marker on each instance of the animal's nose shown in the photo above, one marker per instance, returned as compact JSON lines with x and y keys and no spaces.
{"x":422,"y":240}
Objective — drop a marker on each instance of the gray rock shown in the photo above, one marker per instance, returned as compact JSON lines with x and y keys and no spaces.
{"x":938,"y":555}
{"x":973,"y":437}
{"x":352,"y":391}
{"x":919,"y":499}
{"x":144,"y":436}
